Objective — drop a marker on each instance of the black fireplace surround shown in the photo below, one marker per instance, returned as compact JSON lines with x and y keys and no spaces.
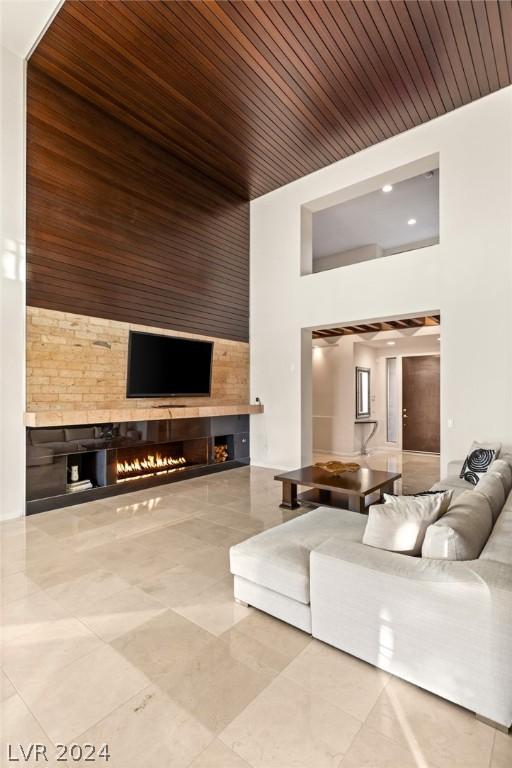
{"x":120,"y":457}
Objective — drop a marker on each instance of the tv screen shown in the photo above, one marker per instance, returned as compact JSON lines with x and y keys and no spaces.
{"x":165,"y":366}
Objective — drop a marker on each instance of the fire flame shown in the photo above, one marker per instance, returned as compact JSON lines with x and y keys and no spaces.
{"x":150,"y":463}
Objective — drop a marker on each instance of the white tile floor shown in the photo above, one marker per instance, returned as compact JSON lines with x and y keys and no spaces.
{"x":119,"y":626}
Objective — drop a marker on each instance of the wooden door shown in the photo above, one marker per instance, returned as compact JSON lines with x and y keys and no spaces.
{"x":420,"y":403}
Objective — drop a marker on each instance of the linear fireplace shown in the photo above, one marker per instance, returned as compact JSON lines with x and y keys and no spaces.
{"x":67,"y":465}
{"x":160,"y":459}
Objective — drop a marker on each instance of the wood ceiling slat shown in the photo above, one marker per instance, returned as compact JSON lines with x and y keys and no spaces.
{"x":297,"y":76}
{"x":440,"y":29}
{"x":486,"y":74}
{"x":433,"y":44}
{"x":319,"y":14}
{"x":228,"y":125}
{"x":416,"y":33}
{"x":484,"y":33}
{"x":493,"y":16}
{"x":251,"y":112}
{"x":505,"y":9}
{"x":408,"y":44}
{"x":372,"y":16}
{"x":244,"y":39}
{"x":297,"y":72}
{"x":192,"y":130}
{"x":465,"y":51}
{"x":350,"y":24}
{"x":333,"y":69}
{"x":236,"y":71}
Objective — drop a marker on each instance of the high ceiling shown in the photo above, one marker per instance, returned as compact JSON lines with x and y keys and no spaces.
{"x":256,"y":94}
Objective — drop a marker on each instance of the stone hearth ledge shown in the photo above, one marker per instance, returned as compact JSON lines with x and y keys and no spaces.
{"x":105,"y":416}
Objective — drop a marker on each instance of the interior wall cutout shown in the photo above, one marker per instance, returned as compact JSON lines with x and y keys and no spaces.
{"x":384,"y":214}
{"x":396,"y":217}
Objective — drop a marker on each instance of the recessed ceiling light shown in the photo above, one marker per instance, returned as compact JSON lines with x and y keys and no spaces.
{"x":387,"y":187}
{"x":411,"y":222}
{"x":391,"y":343}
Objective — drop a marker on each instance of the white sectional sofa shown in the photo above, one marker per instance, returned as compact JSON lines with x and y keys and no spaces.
{"x":443,"y":625}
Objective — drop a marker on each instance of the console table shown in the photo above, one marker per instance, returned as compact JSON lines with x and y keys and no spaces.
{"x":364,"y":446}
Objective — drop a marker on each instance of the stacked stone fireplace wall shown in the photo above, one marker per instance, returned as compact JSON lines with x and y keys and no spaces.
{"x":78,"y":363}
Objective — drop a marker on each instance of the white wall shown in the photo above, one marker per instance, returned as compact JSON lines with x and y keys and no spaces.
{"x":12,"y":290}
{"x":21,"y":23}
{"x":468,"y":277}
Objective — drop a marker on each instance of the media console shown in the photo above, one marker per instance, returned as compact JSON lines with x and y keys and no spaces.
{"x":76,"y":463}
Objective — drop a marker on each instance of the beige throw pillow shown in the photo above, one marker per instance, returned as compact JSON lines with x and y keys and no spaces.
{"x":399,"y":525}
{"x":445,"y":497}
{"x":491,"y":486}
{"x":503,"y":470}
{"x":462,"y":532}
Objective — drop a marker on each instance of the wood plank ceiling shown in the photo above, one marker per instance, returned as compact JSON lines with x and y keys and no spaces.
{"x":257,"y":94}
{"x":390,"y":325}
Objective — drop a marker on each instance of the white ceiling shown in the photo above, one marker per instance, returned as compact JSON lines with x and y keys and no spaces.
{"x":380,"y":218}
{"x":23,"y":21}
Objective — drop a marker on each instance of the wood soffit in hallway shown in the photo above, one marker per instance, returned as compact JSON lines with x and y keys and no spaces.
{"x":257,"y":94}
{"x":389,"y":325}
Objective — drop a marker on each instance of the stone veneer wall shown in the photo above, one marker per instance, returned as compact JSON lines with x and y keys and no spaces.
{"x":79,"y":362}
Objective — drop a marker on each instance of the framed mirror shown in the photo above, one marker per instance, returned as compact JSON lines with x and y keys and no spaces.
{"x":362,"y":393}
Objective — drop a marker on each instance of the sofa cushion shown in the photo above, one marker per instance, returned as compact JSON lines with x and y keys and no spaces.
{"x":462,"y":532}
{"x":503,"y":469}
{"x":499,"y":545}
{"x":444,"y":495}
{"x":38,"y":436}
{"x":279,"y":557}
{"x":399,"y":525}
{"x":478,"y":461}
{"x":491,"y":486}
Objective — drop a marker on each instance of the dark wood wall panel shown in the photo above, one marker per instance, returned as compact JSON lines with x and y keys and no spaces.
{"x":119,"y":228}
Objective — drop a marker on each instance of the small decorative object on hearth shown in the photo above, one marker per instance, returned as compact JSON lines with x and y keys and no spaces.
{"x":337,"y":468}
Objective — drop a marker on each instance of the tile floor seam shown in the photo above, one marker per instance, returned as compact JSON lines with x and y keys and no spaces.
{"x":395,"y":743}
{"x":149,"y":685}
{"x":491,"y":758}
{"x":29,"y":709}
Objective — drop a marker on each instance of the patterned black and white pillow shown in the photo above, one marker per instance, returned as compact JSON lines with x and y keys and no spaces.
{"x":478,"y":461}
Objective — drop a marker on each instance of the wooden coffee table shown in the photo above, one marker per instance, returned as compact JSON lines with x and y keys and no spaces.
{"x":346,"y":491}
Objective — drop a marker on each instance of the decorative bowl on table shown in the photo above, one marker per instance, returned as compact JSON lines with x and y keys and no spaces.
{"x":337,"y":468}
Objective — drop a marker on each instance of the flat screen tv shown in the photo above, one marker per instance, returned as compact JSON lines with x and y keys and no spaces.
{"x":166,"y":366}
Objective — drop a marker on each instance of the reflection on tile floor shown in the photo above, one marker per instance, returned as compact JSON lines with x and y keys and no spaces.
{"x":119,"y":626}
